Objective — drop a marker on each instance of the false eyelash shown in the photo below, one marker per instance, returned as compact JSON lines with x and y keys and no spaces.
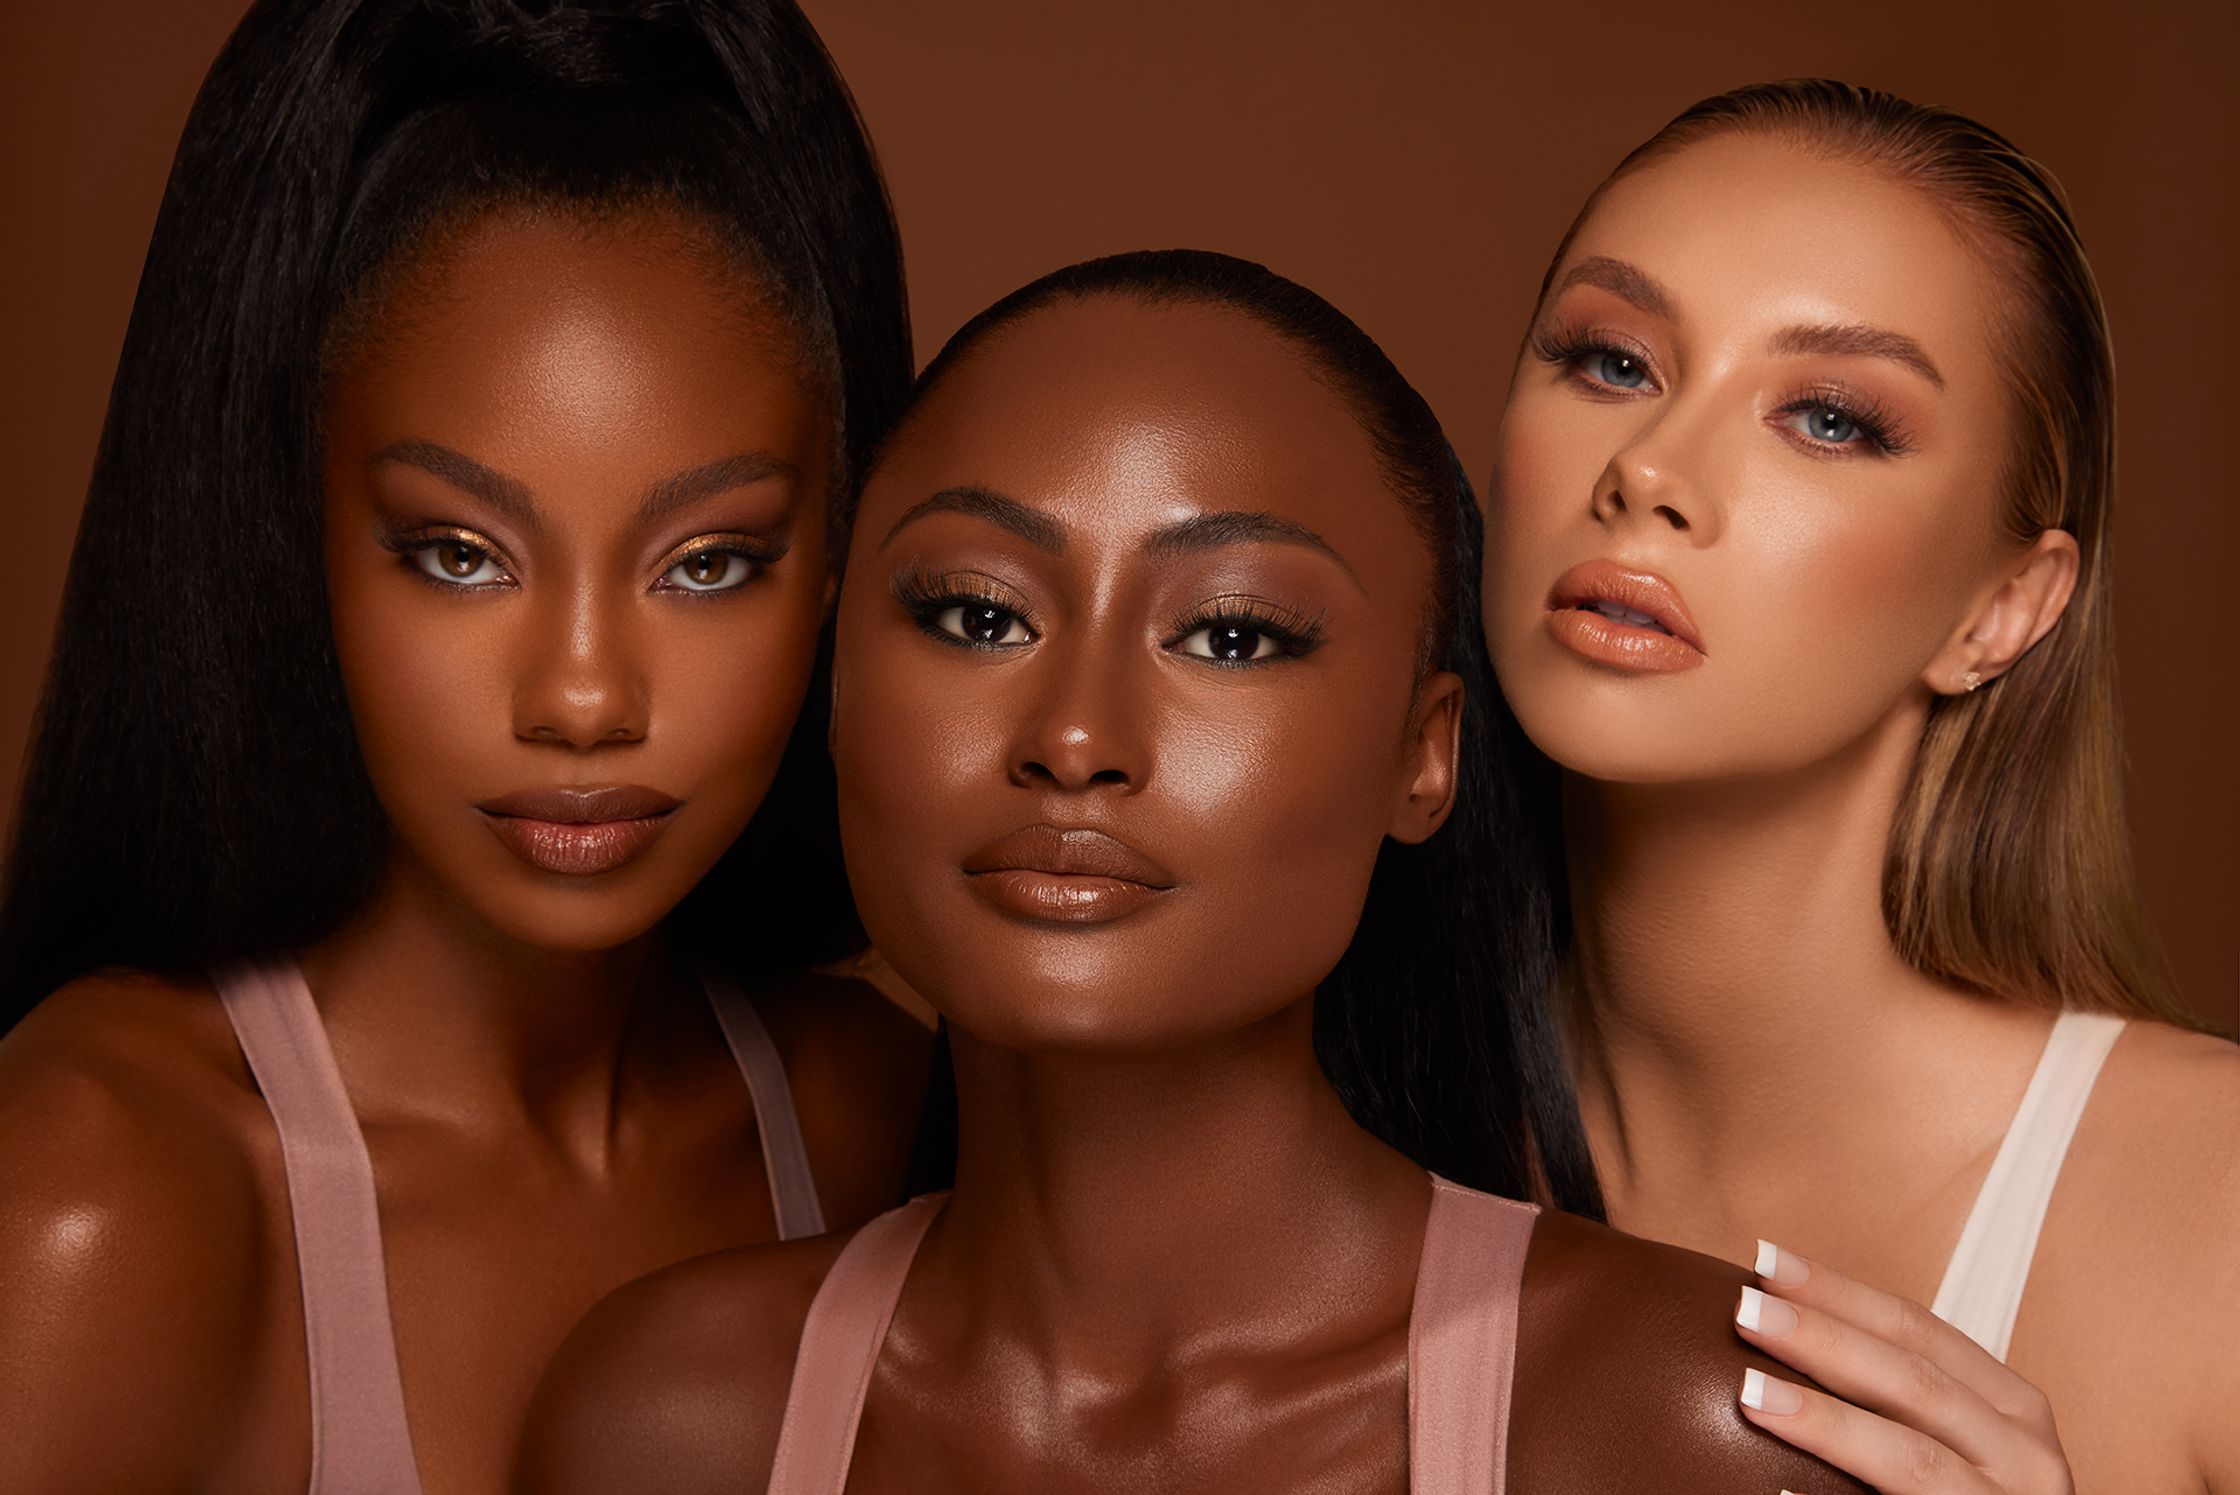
{"x":1875,"y":421}
{"x":926,"y":596}
{"x":1565,"y":347}
{"x":408,"y":542}
{"x":1296,"y":634}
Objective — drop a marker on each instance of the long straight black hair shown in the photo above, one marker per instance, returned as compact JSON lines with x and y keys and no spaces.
{"x":1432,"y":1027}
{"x":194,"y":790}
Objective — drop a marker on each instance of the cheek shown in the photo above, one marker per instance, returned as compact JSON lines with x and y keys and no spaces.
{"x":1546,"y":463}
{"x":428,"y":686}
{"x":726,"y":690}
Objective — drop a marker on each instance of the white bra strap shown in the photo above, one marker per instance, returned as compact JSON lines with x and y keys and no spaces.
{"x":1982,"y":1288}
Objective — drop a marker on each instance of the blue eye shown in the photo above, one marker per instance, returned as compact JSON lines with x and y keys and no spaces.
{"x":1619,"y":370}
{"x":1823,"y":423}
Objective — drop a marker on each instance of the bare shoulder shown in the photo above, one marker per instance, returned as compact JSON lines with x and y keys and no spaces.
{"x":131,"y":1228}
{"x":676,"y":1384}
{"x":1628,"y":1369}
{"x":2154,"y":1174}
{"x":2157,"y":1152}
{"x":858,"y":1064}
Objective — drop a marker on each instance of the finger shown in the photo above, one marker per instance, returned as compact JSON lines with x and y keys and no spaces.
{"x":1895,"y":1460}
{"x":1906,"y":1324}
{"x":1885,"y":1379}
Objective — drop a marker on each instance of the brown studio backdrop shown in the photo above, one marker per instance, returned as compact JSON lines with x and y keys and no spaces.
{"x":1415,"y":162}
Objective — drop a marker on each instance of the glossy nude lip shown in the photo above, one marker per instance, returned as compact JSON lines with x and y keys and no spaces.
{"x":579,"y":832}
{"x":1065,"y":875}
{"x":1659,"y":636}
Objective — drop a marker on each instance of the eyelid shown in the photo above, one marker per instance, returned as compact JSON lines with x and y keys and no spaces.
{"x":411,"y":541}
{"x":1565,"y":344}
{"x":759,"y":552}
{"x":1297,"y":634}
{"x":1885,"y":433}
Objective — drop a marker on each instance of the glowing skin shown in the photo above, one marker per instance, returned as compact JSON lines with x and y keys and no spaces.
{"x":1825,"y":578}
{"x":1699,"y":405}
{"x":1132,"y":620}
{"x":1247,"y":784}
{"x":548,"y":568}
{"x":554,"y":448}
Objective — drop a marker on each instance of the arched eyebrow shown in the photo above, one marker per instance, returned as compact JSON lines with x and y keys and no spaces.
{"x":1024,"y":520}
{"x":1626,"y":281}
{"x":511,"y":497}
{"x":720,"y":476}
{"x":1208,"y":531}
{"x":508,"y":495}
{"x":1241,"y":527}
{"x":1860,"y":339}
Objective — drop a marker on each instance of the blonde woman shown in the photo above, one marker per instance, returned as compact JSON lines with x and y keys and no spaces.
{"x":1798,"y":569}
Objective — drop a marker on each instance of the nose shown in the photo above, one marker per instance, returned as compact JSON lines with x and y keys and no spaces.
{"x":579,"y":683}
{"x":1086,"y":729}
{"x":1648,"y":479}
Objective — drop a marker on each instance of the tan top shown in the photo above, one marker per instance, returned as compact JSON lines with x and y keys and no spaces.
{"x":360,"y":1442}
{"x":1462,"y":1345}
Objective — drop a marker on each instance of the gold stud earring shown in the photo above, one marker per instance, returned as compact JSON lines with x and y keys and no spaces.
{"x":1970,"y":680}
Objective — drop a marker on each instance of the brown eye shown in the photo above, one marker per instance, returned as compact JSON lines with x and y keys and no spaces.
{"x":709,"y":571}
{"x":458,"y":563}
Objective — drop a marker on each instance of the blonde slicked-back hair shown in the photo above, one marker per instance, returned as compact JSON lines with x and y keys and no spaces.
{"x":2009,"y":866}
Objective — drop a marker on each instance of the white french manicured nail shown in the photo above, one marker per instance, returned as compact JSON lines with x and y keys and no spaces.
{"x":1762,"y":1393}
{"x":1777,"y":1265}
{"x":1762,"y":1314}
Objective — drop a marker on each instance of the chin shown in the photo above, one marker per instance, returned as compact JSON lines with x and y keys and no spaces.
{"x":573,"y":926}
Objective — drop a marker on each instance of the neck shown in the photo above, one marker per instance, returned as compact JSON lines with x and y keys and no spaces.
{"x":1736,"y":1003}
{"x":435,"y":1016}
{"x":1150,"y":1208}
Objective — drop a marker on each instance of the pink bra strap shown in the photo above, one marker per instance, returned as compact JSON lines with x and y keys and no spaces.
{"x":1462,"y":1341}
{"x":793,"y":1189}
{"x":840,"y":1344}
{"x":360,"y":1441}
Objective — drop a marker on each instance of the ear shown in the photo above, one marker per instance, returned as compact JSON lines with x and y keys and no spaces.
{"x":1433,"y":751}
{"x":2021,"y":608}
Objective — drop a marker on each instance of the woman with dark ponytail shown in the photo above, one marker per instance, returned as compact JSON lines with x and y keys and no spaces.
{"x":433,"y":753}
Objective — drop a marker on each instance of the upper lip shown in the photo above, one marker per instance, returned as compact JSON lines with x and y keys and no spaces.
{"x":1064,"y":851}
{"x":1642,"y":591}
{"x":582,"y":806}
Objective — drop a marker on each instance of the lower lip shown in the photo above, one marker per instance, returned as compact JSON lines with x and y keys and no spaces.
{"x":1062,"y":898}
{"x":584,"y":850}
{"x":1621,"y":645}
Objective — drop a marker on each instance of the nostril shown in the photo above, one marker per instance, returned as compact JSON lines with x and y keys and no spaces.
{"x":1673,"y":516}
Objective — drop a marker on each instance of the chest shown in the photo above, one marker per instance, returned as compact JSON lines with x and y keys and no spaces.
{"x":1338,"y":1425}
{"x":489,"y":1260}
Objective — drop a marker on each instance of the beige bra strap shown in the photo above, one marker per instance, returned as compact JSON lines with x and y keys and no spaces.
{"x":793,"y":1189}
{"x":1981,"y":1294}
{"x":1462,"y":1341}
{"x":360,"y":1442}
{"x":840,"y":1343}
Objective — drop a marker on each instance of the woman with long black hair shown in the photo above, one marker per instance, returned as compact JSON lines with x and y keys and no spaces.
{"x":385,"y":897}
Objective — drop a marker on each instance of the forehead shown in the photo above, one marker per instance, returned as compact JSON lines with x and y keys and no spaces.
{"x":1751,"y":233}
{"x":583,"y":357}
{"x":1120,"y":416}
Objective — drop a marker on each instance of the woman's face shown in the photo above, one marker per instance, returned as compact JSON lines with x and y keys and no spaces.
{"x":575,"y":537}
{"x":1748,"y":494}
{"x":1126,"y":654}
